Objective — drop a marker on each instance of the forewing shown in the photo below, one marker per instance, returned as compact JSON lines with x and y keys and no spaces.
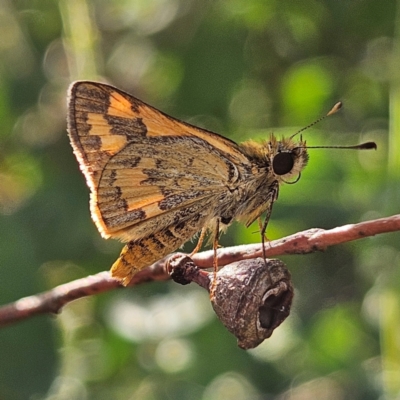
{"x":146,"y":171}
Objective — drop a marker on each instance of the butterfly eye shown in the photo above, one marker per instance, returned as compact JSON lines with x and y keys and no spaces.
{"x":283,"y":163}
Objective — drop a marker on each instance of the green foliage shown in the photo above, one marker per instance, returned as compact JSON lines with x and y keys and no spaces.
{"x":244,"y":68}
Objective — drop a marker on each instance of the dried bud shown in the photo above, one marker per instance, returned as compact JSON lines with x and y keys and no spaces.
{"x":250,"y":297}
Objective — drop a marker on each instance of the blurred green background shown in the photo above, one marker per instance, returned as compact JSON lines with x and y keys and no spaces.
{"x":243,"y":68}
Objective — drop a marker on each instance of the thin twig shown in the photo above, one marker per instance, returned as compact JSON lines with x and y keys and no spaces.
{"x":304,"y":242}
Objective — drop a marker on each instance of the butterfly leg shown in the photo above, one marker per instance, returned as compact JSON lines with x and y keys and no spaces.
{"x":263,"y":226}
{"x":215,"y":259}
{"x":263,"y":229}
{"x":199,"y":242}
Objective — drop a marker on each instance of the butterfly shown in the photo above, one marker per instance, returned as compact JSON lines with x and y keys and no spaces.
{"x":156,"y":181}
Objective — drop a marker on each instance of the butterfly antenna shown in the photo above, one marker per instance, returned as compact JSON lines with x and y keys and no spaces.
{"x":333,"y":110}
{"x":362,"y":146}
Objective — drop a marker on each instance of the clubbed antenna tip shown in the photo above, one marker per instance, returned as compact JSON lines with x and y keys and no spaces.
{"x":368,"y":146}
{"x":335,"y":108}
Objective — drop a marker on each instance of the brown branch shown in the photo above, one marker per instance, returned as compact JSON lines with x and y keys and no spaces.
{"x":304,"y":242}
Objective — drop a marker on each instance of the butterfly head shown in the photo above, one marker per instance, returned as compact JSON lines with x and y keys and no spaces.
{"x":287,"y":158}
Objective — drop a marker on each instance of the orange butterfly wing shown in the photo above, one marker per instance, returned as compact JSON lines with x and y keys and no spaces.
{"x":146,"y":170}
